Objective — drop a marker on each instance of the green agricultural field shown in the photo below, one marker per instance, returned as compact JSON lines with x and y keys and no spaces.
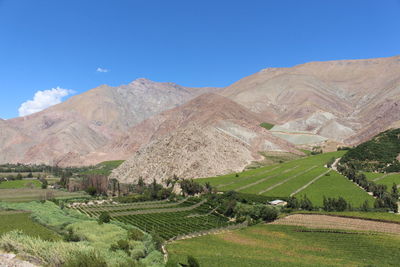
{"x":20,"y":184}
{"x":15,"y":220}
{"x":167,"y":219}
{"x":278,"y":245}
{"x":297,"y":177}
{"x":379,"y":216}
{"x":103,"y":168}
{"x":384,"y":178}
{"x":336,"y":185}
{"x":27,"y":194}
{"x":267,"y":125}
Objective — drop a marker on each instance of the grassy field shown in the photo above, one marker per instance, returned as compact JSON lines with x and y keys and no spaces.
{"x":277,"y":245}
{"x":383,"y":178}
{"x":297,"y":177}
{"x":104,"y":168}
{"x":336,"y":185}
{"x":380,"y":216}
{"x":20,"y":184}
{"x":15,"y":220}
{"x":267,"y":125}
{"x":26,"y":194}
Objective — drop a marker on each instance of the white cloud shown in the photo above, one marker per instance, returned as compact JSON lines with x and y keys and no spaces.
{"x":102,"y":70}
{"x":43,"y":100}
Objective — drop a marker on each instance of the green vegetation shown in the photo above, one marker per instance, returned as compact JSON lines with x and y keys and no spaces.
{"x":379,"y":216}
{"x":26,"y":194}
{"x":103,"y":168}
{"x":378,"y":154}
{"x":303,"y":176}
{"x":336,"y":185}
{"x":277,"y":245}
{"x":17,"y":220}
{"x":385,"y":199}
{"x":20,"y":184}
{"x":164,"y":218}
{"x":91,"y":241}
{"x":267,"y":125}
{"x":384,"y":179}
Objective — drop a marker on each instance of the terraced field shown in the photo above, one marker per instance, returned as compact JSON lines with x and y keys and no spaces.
{"x":168,"y":219}
{"x":304,"y":176}
{"x":384,"y":178}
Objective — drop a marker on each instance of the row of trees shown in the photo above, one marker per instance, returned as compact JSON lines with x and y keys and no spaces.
{"x":384,"y":199}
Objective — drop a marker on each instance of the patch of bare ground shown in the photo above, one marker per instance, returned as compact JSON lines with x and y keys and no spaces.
{"x":332,"y":222}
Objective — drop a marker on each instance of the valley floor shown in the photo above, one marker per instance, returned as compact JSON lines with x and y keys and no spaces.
{"x":281,"y":244}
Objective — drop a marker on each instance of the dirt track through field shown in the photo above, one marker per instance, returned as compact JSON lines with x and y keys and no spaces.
{"x":309,"y":183}
{"x":251,"y":176}
{"x":286,"y":180}
{"x":263,"y":180}
{"x":333,"y":222}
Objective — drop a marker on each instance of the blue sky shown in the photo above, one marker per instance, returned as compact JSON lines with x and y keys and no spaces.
{"x":46,"y":44}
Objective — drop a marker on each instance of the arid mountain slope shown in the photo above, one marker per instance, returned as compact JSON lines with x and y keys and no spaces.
{"x":207,"y":136}
{"x":347,"y":100}
{"x":65,"y":133}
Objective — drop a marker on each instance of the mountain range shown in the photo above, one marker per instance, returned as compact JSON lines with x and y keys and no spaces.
{"x":164,"y":129}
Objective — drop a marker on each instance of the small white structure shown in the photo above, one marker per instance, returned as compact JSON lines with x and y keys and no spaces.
{"x":278,"y":202}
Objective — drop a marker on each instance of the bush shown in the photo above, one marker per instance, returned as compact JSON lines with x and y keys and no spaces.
{"x":91,"y":191}
{"x":306,"y":203}
{"x":192,"y":261}
{"x":104,"y":218}
{"x":86,"y":260}
{"x":268,"y":214}
{"x":135,"y":234}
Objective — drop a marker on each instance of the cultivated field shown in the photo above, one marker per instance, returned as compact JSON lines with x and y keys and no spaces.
{"x":27,"y":183}
{"x":167,"y":219}
{"x":16,"y":220}
{"x":376,"y":216}
{"x":384,"y":178}
{"x":304,"y":176}
{"x":334,"y":222}
{"x":27,"y":194}
{"x":283,"y":245}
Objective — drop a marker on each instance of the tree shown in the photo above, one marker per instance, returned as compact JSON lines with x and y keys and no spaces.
{"x":104,"y":218}
{"x":395,"y":191}
{"x":306,"y":203}
{"x":19,"y":176}
{"x":268,"y":214}
{"x":365,"y":206}
{"x":190,"y":187}
{"x":91,"y":190}
{"x":44,"y":184}
{"x":30,"y":175}
{"x":293,"y":203}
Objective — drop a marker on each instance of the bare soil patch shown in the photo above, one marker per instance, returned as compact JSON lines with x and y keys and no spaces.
{"x":332,"y":222}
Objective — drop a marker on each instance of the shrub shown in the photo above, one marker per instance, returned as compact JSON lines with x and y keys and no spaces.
{"x":86,"y":260}
{"x":91,"y":190}
{"x":268,"y":214}
{"x":104,"y":218}
{"x":135,"y":234}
